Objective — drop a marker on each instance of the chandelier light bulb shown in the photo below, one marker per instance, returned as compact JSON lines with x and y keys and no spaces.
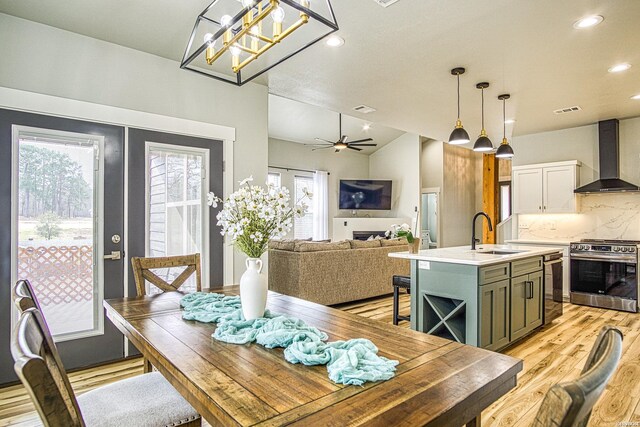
{"x":247,"y":3}
{"x":225,"y":20}
{"x":234,"y":50}
{"x":278,"y":15}
{"x":208,"y":38}
{"x":255,"y":30}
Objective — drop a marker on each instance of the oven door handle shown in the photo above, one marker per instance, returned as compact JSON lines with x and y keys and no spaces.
{"x":632,"y":260}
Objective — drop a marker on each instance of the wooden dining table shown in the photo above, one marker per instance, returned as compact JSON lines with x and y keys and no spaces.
{"x":437,"y":383}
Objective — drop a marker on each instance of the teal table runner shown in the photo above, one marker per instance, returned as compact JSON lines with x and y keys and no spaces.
{"x":351,"y":362}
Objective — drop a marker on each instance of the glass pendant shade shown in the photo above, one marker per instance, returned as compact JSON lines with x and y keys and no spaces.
{"x":459,"y":136}
{"x":504,"y":150}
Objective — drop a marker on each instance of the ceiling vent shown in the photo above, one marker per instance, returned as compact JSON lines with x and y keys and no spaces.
{"x":385,"y":3}
{"x":364,"y":109}
{"x":567,"y":110}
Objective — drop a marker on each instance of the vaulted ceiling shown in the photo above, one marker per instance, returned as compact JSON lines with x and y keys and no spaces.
{"x":397,"y":59}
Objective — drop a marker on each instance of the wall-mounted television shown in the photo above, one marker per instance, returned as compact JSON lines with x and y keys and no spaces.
{"x":370,"y":194}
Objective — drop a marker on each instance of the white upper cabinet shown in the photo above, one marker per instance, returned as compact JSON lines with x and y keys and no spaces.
{"x":545,"y":188}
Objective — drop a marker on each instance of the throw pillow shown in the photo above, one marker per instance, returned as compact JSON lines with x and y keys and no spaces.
{"x":285,"y":244}
{"x":318,"y":247}
{"x":363,"y":244}
{"x":394,"y":242}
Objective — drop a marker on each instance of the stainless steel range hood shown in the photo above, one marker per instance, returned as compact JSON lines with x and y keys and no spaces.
{"x":609,"y":150}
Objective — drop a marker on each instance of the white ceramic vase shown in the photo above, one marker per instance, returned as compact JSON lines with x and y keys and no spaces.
{"x":253,"y":290}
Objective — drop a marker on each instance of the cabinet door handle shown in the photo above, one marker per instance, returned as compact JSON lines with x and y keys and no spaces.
{"x":530,"y":289}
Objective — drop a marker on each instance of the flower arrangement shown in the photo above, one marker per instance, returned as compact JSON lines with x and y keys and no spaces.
{"x":253,"y":215}
{"x":397,"y":231}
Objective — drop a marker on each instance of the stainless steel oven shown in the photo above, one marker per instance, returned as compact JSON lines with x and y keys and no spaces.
{"x":604,"y":274}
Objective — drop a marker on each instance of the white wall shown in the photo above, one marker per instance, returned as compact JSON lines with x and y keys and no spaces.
{"x":601,"y":215}
{"x":343,"y":165}
{"x":399,"y":161}
{"x":43,"y":59}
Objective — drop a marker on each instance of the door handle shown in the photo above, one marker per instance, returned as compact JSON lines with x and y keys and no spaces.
{"x":114,"y":256}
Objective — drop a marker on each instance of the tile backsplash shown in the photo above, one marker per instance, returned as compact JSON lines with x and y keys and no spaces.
{"x":602,"y":216}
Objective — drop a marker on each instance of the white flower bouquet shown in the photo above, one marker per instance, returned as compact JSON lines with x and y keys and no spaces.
{"x":253,"y":215}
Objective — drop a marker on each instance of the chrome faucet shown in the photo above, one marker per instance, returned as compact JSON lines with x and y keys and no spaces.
{"x":473,"y":229}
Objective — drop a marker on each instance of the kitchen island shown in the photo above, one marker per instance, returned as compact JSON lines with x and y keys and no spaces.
{"x":488,"y":297}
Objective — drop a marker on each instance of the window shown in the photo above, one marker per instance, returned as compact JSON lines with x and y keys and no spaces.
{"x":274,"y":178}
{"x":505,"y":200}
{"x":303,"y":227}
{"x":176,"y":212}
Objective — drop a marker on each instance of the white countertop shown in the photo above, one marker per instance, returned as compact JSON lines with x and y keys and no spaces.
{"x":464,"y":254}
{"x":540,"y":242}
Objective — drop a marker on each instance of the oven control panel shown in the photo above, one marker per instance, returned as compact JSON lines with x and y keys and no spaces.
{"x":620,"y":249}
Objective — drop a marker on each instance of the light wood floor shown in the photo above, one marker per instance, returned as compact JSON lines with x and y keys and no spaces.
{"x":556,"y":353}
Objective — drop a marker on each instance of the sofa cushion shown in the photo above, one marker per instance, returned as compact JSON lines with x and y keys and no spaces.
{"x":362,"y":244}
{"x":285,"y":244}
{"x":395,"y":242}
{"x":319,"y":246}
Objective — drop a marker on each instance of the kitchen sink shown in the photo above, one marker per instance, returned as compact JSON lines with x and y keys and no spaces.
{"x":499,"y":252}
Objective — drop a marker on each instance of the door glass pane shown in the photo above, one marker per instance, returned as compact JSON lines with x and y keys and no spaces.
{"x":175,"y":188}
{"x":57,"y":206}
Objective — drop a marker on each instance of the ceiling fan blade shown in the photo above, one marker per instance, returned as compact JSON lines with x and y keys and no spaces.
{"x":325,"y":140}
{"x":337,"y":151}
{"x":363,"y":145}
{"x":361,"y":140}
{"x":343,"y":138}
{"x":354,"y":148}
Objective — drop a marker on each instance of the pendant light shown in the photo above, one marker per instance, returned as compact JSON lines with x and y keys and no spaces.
{"x":459,"y":136}
{"x":483,"y":143}
{"x":504,"y":150}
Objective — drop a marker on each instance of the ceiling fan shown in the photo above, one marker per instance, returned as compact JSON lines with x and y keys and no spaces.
{"x":341,"y":143}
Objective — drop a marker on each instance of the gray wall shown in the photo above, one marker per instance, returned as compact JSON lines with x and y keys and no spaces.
{"x":581,"y":143}
{"x":43,"y":59}
{"x":343,"y":165}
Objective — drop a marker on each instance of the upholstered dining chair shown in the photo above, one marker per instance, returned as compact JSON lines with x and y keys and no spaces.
{"x":142,"y":271}
{"x":569,"y":404}
{"x":145,"y":400}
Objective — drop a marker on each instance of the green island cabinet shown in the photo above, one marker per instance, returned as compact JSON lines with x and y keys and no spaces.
{"x":488,"y":306}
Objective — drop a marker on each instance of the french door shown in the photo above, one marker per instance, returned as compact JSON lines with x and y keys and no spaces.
{"x":62,"y":222}
{"x":169,"y":177}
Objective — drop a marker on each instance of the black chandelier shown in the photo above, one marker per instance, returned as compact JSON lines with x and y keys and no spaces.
{"x":238,"y":40}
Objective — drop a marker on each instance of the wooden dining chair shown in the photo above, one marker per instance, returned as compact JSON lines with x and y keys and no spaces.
{"x":24,"y":297}
{"x":569,"y":404}
{"x":145,"y":400}
{"x":142,"y":271}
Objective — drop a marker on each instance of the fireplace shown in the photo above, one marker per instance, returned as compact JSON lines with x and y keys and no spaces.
{"x":364,"y":235}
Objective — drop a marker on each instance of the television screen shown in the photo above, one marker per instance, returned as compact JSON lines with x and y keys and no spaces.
{"x":365,"y":194}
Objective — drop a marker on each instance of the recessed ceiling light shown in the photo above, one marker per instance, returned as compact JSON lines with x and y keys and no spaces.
{"x":636,"y":96}
{"x":588,"y":21}
{"x":620,"y":67}
{"x":334,"y":41}
{"x":366,"y":126}
{"x":509,"y":121}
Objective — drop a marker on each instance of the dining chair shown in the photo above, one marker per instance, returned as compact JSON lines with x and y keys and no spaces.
{"x":142,"y":271}
{"x":569,"y":404}
{"x":145,"y":400}
{"x":24,"y":297}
